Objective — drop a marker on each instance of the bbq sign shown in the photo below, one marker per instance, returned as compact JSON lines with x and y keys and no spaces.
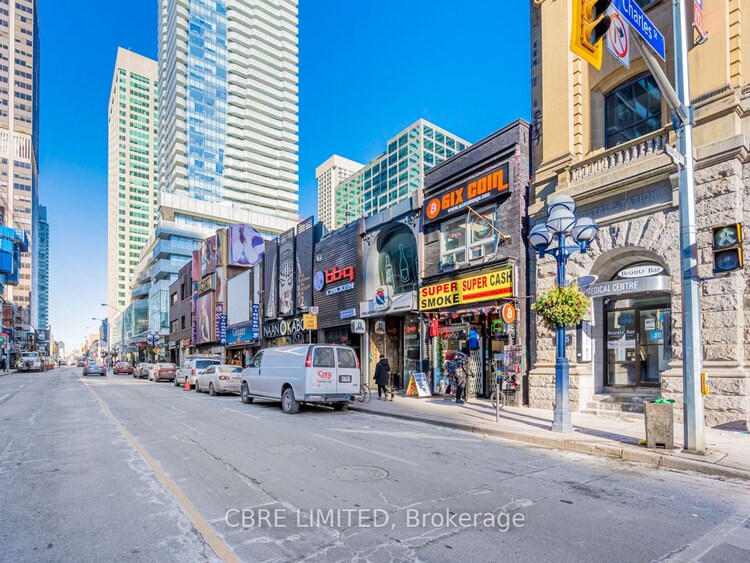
{"x":484,"y":287}
{"x":469,"y":194}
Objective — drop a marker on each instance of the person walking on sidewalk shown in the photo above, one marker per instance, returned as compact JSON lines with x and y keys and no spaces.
{"x":382,"y":369}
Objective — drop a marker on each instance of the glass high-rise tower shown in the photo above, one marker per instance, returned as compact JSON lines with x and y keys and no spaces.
{"x":43,"y":267}
{"x":132,"y":171}
{"x":227,"y":133}
{"x":396,"y":173}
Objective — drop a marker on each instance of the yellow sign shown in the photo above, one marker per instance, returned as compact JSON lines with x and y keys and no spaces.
{"x":309,"y":322}
{"x":483,"y":287}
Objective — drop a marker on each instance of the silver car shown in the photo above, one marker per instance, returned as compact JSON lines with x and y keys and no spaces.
{"x":220,"y":378}
{"x":93,"y":368}
{"x":142,"y":370}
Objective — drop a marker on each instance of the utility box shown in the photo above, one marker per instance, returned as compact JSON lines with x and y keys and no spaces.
{"x":659,"y":425}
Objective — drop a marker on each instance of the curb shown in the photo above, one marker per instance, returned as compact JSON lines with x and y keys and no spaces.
{"x":622,"y":452}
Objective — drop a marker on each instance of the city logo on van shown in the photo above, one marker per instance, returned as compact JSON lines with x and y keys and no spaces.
{"x":325,"y":374}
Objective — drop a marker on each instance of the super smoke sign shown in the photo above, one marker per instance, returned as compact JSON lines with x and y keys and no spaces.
{"x":473,"y":289}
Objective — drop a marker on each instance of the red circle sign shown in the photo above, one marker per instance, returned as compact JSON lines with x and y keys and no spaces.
{"x":508,"y":313}
{"x":618,"y":36}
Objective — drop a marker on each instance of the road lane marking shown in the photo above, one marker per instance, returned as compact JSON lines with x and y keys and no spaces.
{"x":22,"y":386}
{"x":4,"y":397}
{"x":239,"y":412}
{"x":381,"y":454}
{"x":207,"y":532}
{"x":407,"y":435}
{"x":191,"y":428}
{"x":178,"y":410}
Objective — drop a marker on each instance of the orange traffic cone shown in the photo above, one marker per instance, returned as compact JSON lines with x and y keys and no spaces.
{"x":187,"y":383}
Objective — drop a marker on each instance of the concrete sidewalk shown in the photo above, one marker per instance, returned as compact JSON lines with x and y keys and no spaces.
{"x":728,"y":452}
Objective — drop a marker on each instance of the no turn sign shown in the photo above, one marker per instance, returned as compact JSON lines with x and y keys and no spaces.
{"x":618,"y":37}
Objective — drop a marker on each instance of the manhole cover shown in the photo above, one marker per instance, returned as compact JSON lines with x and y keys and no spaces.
{"x":357,"y":473}
{"x":292,"y":449}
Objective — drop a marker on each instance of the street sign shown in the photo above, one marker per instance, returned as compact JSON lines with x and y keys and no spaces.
{"x":674,"y":154}
{"x":313,"y":310}
{"x":618,"y":37}
{"x":309,"y":322}
{"x":698,"y":17}
{"x":358,"y":326}
{"x":2,"y":340}
{"x":643,"y":26}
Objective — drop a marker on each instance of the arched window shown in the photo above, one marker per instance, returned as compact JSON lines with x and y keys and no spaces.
{"x":397,"y":262}
{"x":632,"y":110}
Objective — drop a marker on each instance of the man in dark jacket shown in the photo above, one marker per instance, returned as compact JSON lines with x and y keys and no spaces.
{"x":382,"y":369}
{"x":461,"y":362}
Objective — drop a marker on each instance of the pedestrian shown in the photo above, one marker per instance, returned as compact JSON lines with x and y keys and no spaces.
{"x":382,"y":369}
{"x":236,"y":361}
{"x":461,"y":362}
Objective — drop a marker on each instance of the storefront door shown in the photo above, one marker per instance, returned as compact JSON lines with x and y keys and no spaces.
{"x":638,"y":343}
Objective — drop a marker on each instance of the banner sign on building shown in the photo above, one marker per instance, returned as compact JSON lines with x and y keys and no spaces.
{"x":483,"y":287}
{"x":196,"y":267}
{"x":286,"y":273}
{"x":305,"y":236}
{"x":206,"y":318}
{"x":255,"y":321}
{"x":240,"y":335}
{"x":270,"y":280}
{"x":194,"y":325}
{"x":469,"y":194}
{"x":246,"y":246}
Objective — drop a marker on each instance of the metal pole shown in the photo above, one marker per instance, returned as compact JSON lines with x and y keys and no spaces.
{"x":692,"y":360}
{"x":561,"y":417}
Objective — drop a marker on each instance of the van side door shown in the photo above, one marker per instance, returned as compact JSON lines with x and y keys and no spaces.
{"x":347,"y":380}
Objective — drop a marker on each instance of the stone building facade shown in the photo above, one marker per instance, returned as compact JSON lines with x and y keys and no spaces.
{"x":600,"y":136}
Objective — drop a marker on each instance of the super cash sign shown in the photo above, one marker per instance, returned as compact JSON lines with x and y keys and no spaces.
{"x":484,"y":287}
{"x":470,"y":194}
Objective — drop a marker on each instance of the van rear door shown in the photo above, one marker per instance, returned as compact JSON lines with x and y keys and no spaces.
{"x":347,"y":382}
{"x":321,"y":376}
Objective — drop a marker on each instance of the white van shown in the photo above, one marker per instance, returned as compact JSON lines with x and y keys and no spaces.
{"x":305,"y":373}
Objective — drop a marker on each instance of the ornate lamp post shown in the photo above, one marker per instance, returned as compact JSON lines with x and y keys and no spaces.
{"x":562,"y":224}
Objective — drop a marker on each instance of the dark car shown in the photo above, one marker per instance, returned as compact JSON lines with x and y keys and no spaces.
{"x":122,"y":367}
{"x":93,"y":368}
{"x":80,"y":364}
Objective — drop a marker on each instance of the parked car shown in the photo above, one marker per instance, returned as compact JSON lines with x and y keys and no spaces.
{"x":142,"y":370}
{"x":80,"y":364}
{"x":30,"y":361}
{"x":162,"y":370}
{"x":221,"y":378}
{"x":296,"y":374}
{"x":94,"y":368}
{"x":192,"y":367}
{"x":122,"y":367}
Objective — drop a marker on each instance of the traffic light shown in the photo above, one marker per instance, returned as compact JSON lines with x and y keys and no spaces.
{"x":590,"y":25}
{"x":727,"y":247}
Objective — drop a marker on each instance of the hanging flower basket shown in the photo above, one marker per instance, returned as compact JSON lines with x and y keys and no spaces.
{"x":561,"y":306}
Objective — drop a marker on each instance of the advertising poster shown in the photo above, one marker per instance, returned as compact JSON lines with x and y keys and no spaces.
{"x":196,"y":269}
{"x":305,"y":241}
{"x":205,"y":318}
{"x":219,"y":285}
{"x":246,"y":246}
{"x":286,"y":273}
{"x":270,"y":280}
{"x":221,"y":324}
{"x":222,"y":246}
{"x":208,"y":256}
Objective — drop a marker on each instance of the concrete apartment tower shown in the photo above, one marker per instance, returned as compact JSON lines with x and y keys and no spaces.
{"x":19,"y":141}
{"x":132,"y":170}
{"x":329,"y":174}
{"x":227,"y":136}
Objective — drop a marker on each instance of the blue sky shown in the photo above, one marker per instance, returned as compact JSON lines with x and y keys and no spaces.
{"x":367,"y":70}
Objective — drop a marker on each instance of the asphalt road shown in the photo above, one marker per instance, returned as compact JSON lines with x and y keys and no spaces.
{"x":119,"y":469}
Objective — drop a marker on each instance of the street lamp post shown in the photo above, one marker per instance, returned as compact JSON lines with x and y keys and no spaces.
{"x":122,"y":328}
{"x":561,"y":224}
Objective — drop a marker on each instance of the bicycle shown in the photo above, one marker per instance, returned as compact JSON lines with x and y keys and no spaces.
{"x":509,"y":394}
{"x":365,"y":395}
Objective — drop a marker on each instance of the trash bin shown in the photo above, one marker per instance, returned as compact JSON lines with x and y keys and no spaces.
{"x":659,"y":423}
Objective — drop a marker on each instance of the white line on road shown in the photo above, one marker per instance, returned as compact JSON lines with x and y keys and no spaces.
{"x":4,"y":397}
{"x":178,"y":410}
{"x":371,"y":451}
{"x":191,"y":428}
{"x":240,"y":412}
{"x":22,"y":386}
{"x":407,"y":435}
